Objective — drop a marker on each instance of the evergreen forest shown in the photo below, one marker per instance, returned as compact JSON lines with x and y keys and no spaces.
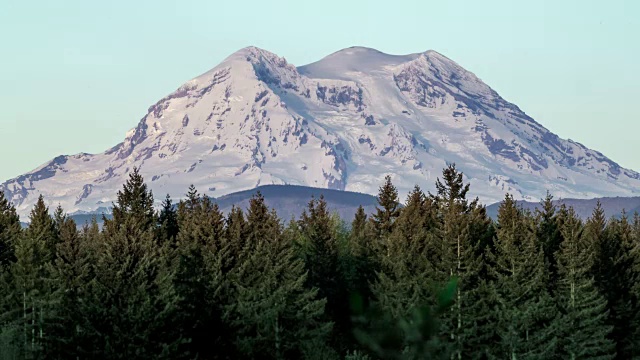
{"x":426,"y":277}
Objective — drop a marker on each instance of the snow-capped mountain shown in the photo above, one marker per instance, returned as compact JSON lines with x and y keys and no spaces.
{"x":343,"y":122}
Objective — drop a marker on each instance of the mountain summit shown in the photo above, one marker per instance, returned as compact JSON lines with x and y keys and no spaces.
{"x":343,"y":122}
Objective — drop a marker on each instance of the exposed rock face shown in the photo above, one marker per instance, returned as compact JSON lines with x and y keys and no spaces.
{"x":341,"y":123}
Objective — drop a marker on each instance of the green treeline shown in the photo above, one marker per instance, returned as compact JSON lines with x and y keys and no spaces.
{"x":189,"y":282}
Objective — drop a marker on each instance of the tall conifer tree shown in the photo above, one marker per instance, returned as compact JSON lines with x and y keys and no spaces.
{"x":274,"y":315}
{"x":387,"y":211}
{"x":548,"y":232}
{"x":525,"y":312}
{"x":32,"y":296}
{"x":71,"y":274}
{"x":9,"y":231}
{"x":583,"y":331}
{"x":200,"y":278}
{"x":168,"y":222}
{"x":460,"y":256}
{"x":402,"y":282}
{"x":617,"y":259}
{"x":130,"y":298}
{"x":322,"y":259}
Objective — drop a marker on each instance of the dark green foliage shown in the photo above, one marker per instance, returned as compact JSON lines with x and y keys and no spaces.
{"x":460,"y":254}
{"x":167,"y":222}
{"x":404,"y":278}
{"x":549,"y":234}
{"x":43,"y":228}
{"x":387,"y":211}
{"x":189,"y":282}
{"x":321,"y":250}
{"x":9,"y":231}
{"x":583,"y":328}
{"x":134,"y":206}
{"x":411,"y":336}
{"x":199,"y":279}
{"x":70,"y":272}
{"x":322,"y":260}
{"x":616,"y":281}
{"x":129,"y":301}
{"x":359,"y":259}
{"x":526,"y":312}
{"x":29,"y":303}
{"x":274,"y":316}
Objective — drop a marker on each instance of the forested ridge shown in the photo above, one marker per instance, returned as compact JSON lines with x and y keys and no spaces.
{"x":435,"y":278}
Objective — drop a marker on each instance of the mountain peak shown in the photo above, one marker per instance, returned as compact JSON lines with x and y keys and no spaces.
{"x":251,"y":51}
{"x":343,"y":122}
{"x":355,"y":59}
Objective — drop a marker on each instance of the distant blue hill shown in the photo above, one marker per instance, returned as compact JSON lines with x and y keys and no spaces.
{"x":288,"y":201}
{"x":613,"y":206}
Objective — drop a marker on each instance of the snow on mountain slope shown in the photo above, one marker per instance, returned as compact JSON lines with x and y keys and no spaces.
{"x":343,"y":122}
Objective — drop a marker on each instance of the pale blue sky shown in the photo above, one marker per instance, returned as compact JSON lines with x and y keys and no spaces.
{"x":75,"y":75}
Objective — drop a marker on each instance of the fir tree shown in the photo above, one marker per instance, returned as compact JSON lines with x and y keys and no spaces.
{"x":358,"y":231}
{"x":71,"y":274}
{"x":322,"y":260}
{"x":360,"y":271}
{"x":134,"y":206}
{"x":402,"y":283}
{"x":30,"y":303}
{"x":525,"y":312}
{"x":548,"y":232}
{"x":595,"y":234}
{"x":167,"y":222}
{"x":616,"y":282}
{"x":9,"y":231}
{"x":43,"y":228}
{"x":584,"y":311}
{"x":59,"y":217}
{"x":274,"y":314}
{"x":235,"y":232}
{"x":459,"y":255}
{"x":387,"y":211}
{"x":129,"y":300}
{"x":200,"y":278}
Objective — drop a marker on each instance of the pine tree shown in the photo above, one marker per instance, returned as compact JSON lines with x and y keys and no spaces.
{"x":43,"y":228}
{"x":30,"y":303}
{"x":584,"y":311}
{"x":133,"y":207}
{"x":548,"y":232}
{"x":358,"y":231}
{"x":167,"y":222}
{"x":635,"y":254}
{"x":460,"y":255}
{"x":323,"y":265}
{"x":71,"y":274}
{"x":387,"y":211}
{"x":616,"y":281}
{"x":59,"y":216}
{"x":9,"y":231}
{"x":402,"y":284}
{"x":130,"y":300}
{"x":525,"y":313}
{"x":595,"y":233}
{"x":274,"y":314}
{"x":235,"y":232}
{"x":202,"y":258}
{"x":360,"y":269}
